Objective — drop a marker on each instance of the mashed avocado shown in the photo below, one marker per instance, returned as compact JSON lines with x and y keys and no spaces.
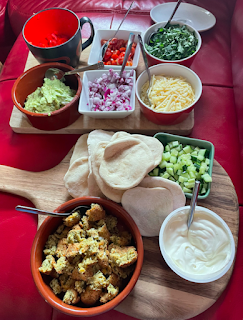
{"x":53,"y":95}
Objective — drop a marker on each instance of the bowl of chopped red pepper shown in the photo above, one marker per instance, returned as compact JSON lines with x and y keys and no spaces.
{"x":115,"y":52}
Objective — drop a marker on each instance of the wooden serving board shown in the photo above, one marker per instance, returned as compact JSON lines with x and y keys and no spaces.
{"x":136,"y":122}
{"x":159,"y":293}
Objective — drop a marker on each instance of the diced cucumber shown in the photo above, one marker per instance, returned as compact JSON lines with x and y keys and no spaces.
{"x":170,"y":171}
{"x":162,"y":164}
{"x":173,"y":159}
{"x":206,"y":177}
{"x":167,"y":148}
{"x":187,"y":149}
{"x":173,"y":144}
{"x":184,"y":164}
{"x":166,"y":156}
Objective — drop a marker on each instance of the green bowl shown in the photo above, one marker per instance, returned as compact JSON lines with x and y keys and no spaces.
{"x":164,"y":138}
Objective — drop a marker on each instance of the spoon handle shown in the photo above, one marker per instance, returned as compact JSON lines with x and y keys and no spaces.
{"x":123,"y":19}
{"x":38,"y":211}
{"x":193,"y":203}
{"x":172,"y":15}
{"x":144,"y":57}
{"x":99,"y":65}
{"x":128,"y":50}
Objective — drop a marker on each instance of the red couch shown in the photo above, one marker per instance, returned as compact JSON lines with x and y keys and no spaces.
{"x":218,"y":118}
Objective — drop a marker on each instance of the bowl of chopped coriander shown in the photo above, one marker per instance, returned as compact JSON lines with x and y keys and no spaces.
{"x":178,"y":43}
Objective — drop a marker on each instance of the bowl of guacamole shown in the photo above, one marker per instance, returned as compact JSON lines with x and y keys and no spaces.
{"x":48,"y":104}
{"x":51,"y":96}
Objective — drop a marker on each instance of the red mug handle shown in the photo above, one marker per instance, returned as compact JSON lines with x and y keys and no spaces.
{"x":88,"y":42}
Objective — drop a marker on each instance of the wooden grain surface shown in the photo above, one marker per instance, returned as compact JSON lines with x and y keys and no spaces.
{"x":159,"y":293}
{"x":136,"y":122}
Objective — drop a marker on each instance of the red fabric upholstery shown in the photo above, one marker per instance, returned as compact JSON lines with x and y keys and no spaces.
{"x":237,"y":69}
{"x":216,"y":121}
{"x":7,"y":36}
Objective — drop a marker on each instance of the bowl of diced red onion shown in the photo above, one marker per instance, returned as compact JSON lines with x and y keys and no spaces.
{"x":107,"y":95}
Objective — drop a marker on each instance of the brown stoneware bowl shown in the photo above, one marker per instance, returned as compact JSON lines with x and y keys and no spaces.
{"x":49,"y":226}
{"x":33,"y":78}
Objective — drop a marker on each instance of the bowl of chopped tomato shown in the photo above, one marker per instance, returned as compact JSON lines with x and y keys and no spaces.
{"x":115,"y":52}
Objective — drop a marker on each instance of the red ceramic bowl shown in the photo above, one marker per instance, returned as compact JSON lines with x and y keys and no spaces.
{"x":173,"y":70}
{"x":50,"y":224}
{"x":152,"y":60}
{"x":28,"y":82}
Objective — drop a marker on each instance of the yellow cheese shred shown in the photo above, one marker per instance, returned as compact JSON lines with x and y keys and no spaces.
{"x":168,"y":94}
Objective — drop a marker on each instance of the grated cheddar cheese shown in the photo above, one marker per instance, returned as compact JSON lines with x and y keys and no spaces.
{"x":168,"y":94}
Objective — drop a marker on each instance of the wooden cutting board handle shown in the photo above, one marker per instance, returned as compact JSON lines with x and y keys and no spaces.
{"x":44,"y":189}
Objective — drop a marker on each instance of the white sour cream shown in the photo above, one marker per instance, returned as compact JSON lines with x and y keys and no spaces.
{"x":203,"y":249}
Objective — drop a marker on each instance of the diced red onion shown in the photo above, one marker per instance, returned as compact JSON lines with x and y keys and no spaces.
{"x":111,"y":92}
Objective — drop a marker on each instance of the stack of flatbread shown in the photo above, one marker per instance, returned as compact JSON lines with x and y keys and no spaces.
{"x":116,"y":166}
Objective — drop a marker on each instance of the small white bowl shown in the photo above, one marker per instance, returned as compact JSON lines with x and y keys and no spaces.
{"x":84,"y":106}
{"x":193,"y":277}
{"x":109,"y":34}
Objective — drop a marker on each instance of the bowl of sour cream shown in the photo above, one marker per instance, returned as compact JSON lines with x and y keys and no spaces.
{"x":201,"y":254}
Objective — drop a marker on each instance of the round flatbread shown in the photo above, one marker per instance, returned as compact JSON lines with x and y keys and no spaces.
{"x":96,"y":157}
{"x":76,"y":178}
{"x":80,"y":149}
{"x":125,"y":163}
{"x":154,"y":145}
{"x":179,"y":198}
{"x":148,"y":207}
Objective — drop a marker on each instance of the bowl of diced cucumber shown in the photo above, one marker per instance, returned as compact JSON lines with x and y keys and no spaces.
{"x":184,"y":161}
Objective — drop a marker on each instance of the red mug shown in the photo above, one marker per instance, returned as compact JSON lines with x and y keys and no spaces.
{"x":54,"y":35}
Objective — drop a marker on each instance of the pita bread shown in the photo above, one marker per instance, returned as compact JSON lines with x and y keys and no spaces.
{"x":80,"y":149}
{"x":96,"y":157}
{"x":179,"y":198}
{"x":125,"y":163}
{"x":76,"y":178}
{"x":154,"y":145}
{"x":148,"y":207}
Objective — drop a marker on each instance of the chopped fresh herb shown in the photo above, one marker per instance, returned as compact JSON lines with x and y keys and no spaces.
{"x":173,"y":43}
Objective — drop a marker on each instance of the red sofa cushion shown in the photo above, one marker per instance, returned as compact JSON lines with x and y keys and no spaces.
{"x":237,"y":68}
{"x":216,"y":121}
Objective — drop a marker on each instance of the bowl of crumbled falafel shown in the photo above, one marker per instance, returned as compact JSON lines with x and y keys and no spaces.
{"x":88,"y":262}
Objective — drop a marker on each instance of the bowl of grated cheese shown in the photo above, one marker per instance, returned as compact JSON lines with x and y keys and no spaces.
{"x":174,"y":92}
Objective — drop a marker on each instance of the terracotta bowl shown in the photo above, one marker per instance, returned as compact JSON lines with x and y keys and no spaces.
{"x":152,"y":60}
{"x":50,"y":224}
{"x":28,"y":82}
{"x":173,"y":70}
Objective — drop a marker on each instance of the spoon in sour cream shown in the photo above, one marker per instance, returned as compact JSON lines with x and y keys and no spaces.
{"x":193,"y":203}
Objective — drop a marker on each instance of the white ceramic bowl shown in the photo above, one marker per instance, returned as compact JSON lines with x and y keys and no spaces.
{"x":173,"y":70}
{"x":198,"y":278}
{"x":109,"y":34}
{"x":152,"y":60}
{"x":84,"y":106}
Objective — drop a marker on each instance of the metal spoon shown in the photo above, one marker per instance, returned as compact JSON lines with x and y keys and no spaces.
{"x":128,"y":50}
{"x":47,"y":213}
{"x":168,"y":22}
{"x":55,"y":73}
{"x":105,"y":45}
{"x":146,"y":66}
{"x":193,"y":203}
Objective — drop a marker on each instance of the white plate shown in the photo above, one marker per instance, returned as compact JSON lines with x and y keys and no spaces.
{"x":108,"y":34}
{"x":197,"y":17}
{"x":84,"y":106}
